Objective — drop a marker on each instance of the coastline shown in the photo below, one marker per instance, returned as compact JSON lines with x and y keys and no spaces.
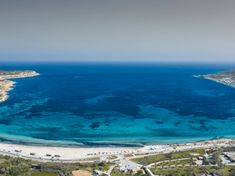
{"x":220,"y":82}
{"x":90,"y":154}
{"x":226,"y":78}
{"x":215,"y":80}
{"x":29,"y":141}
{"x":6,"y":84}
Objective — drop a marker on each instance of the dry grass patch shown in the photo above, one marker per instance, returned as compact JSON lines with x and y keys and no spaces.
{"x":81,"y":173}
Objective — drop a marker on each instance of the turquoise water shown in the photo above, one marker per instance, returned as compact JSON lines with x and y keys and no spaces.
{"x":117,"y":104}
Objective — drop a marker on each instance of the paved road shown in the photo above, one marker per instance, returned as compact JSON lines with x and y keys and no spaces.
{"x":110,"y":170}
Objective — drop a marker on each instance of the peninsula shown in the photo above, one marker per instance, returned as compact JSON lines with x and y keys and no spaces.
{"x":6,"y":83}
{"x":227,"y":78}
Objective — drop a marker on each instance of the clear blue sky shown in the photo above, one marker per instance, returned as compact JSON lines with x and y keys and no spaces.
{"x":117,"y":30}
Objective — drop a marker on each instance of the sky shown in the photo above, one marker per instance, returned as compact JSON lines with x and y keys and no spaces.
{"x":117,"y":30}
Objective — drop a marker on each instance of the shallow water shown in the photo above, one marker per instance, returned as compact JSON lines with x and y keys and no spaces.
{"x":93,"y":104}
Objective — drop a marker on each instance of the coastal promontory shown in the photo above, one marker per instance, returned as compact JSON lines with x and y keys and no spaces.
{"x":6,"y":83}
{"x":227,"y":78}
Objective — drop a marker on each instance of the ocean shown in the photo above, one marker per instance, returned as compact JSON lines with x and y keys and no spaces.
{"x":116,"y":104}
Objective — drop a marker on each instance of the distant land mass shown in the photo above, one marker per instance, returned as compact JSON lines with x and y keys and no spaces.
{"x":6,"y":84}
{"x":227,"y":78}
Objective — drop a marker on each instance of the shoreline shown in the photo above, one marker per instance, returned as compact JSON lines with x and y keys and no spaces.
{"x":226,"y":78}
{"x":29,"y":141}
{"x":214,"y":80}
{"x":71,"y":154}
{"x":6,"y":84}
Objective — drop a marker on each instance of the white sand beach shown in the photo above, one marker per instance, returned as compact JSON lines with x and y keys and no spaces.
{"x":79,"y":154}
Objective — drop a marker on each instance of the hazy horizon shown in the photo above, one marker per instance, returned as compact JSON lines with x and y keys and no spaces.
{"x":117,"y":31}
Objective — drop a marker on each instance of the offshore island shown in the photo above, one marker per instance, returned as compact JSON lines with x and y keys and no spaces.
{"x":6,"y":83}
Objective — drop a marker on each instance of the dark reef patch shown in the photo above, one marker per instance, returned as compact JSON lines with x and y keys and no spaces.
{"x":159,"y":122}
{"x":95,"y":125}
{"x":5,"y":122}
{"x":177,"y":123}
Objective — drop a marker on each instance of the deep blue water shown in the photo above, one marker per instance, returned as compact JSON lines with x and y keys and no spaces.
{"x":117,"y":104}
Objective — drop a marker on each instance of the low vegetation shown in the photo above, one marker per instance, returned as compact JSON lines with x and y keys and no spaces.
{"x":36,"y":173}
{"x":169,"y":156}
{"x":196,"y":171}
{"x":117,"y":172}
{"x":10,"y":166}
